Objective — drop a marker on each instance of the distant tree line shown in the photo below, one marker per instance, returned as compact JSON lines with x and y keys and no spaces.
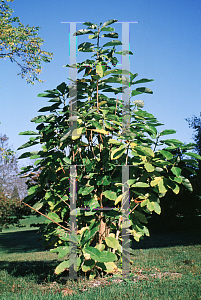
{"x":184,"y":208}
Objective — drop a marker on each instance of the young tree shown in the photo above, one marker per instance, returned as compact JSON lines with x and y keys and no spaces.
{"x":152,"y":171}
{"x":21,"y":44}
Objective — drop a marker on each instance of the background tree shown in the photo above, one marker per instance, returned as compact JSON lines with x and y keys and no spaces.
{"x":15,"y":193}
{"x":182,"y":211}
{"x":21,"y":44}
{"x":195,"y":123}
{"x":12,"y":188}
{"x":9,"y":170}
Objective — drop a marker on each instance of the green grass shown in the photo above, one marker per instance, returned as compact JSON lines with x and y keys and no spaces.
{"x":25,"y":224}
{"x":157,"y":273}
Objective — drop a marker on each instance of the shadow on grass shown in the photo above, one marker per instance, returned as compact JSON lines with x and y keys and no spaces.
{"x":182,"y":232}
{"x":41,"y":271}
{"x":168,"y":239}
{"x":21,"y":241}
{"x":186,"y":234}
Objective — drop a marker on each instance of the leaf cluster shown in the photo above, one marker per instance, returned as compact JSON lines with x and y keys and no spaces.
{"x":21,"y":44}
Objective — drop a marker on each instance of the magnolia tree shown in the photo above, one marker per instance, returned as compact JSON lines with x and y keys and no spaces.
{"x":110,"y":145}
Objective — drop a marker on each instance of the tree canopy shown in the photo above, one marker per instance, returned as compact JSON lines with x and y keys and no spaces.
{"x":21,"y":44}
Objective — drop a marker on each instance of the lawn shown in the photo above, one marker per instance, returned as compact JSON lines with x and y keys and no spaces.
{"x":165,"y":266}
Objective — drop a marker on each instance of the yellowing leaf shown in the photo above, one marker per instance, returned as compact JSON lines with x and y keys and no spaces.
{"x":176,"y":189}
{"x":100,"y":70}
{"x":162,"y":188}
{"x":103,"y":131}
{"x":149,"y":167}
{"x":101,"y":103}
{"x":110,"y":266}
{"x":76,"y":133}
{"x":112,"y":141}
{"x":156,"y":181}
{"x":133,"y":145}
{"x":119,"y":198}
{"x":61,"y":267}
{"x":118,"y":152}
{"x":157,"y":208}
{"x":151,"y":205}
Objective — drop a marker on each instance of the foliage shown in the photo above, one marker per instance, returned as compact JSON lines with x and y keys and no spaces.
{"x":153,"y":171}
{"x":21,"y":44}
{"x":8,"y":207}
{"x":9,"y":169}
{"x":195,"y":123}
{"x":185,"y":205}
{"x":11,"y":208}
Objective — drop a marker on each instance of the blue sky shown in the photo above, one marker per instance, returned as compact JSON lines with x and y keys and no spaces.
{"x":166,"y":46}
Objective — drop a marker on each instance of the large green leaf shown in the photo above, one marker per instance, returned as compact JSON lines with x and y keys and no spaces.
{"x":118,"y":152}
{"x":29,"y":132}
{"x":171,"y":184}
{"x":193,"y":155}
{"x":94,"y":253}
{"x":63,"y":251}
{"x":151,"y":205}
{"x":106,"y":180}
{"x":143,"y":80}
{"x":28,"y":144}
{"x":96,"y":124}
{"x":82,"y":31}
{"x":172,"y":142}
{"x":88,"y":265}
{"x":89,"y":234}
{"x":111,"y":35}
{"x":87,"y":190}
{"x":50,"y":108}
{"x":149,"y":167}
{"x":187,"y":184}
{"x":32,"y":189}
{"x":112,"y":43}
{"x":62,"y":267}
{"x":100,"y":256}
{"x":107,"y":29}
{"x":109,"y":22}
{"x":107,"y":256}
{"x":54,"y":217}
{"x":157,"y":208}
{"x":112,"y":243}
{"x":140,"y":91}
{"x":90,"y":25}
{"x":144,"y":151}
{"x":38,"y":205}
{"x":124,"y":52}
{"x":167,"y":131}
{"x":110,"y":195}
{"x":166,"y":154}
{"x":176,"y":171}
{"x":140,"y":216}
{"x":29,"y":154}
{"x":140,"y":185}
